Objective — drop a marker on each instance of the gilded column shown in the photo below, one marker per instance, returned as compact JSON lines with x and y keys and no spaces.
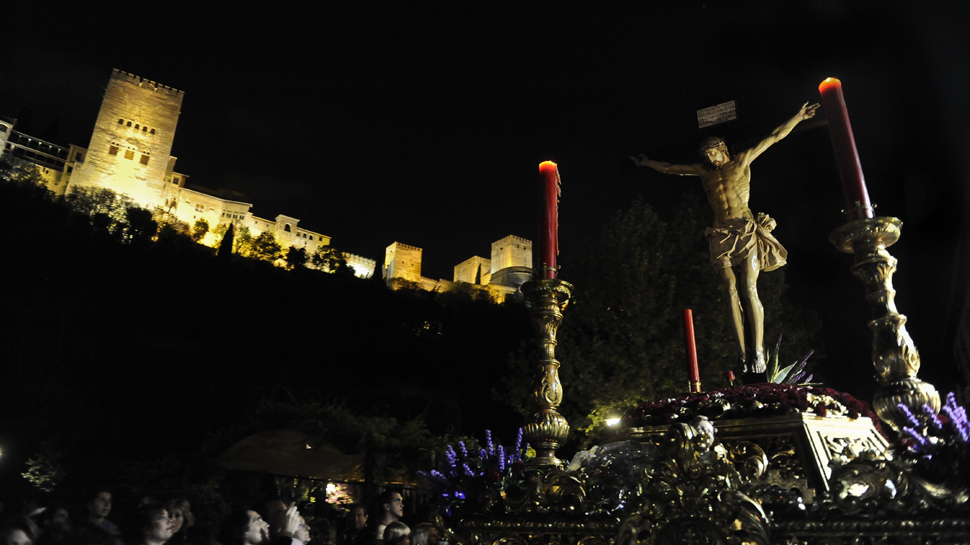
{"x":546,"y":429}
{"x":894,"y":354}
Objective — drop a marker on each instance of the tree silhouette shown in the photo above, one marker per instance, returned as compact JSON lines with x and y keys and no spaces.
{"x":622,"y":338}
{"x":199,"y":230}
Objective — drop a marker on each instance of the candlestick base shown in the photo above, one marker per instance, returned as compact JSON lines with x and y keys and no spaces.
{"x":694,"y":386}
{"x":894,"y":354}
{"x":547,"y":430}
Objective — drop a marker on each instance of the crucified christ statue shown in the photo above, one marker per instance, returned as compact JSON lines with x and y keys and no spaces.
{"x":741,"y":244}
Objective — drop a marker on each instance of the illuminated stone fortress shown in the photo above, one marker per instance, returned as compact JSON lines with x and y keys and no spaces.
{"x":509,"y":267}
{"x":130,"y":152}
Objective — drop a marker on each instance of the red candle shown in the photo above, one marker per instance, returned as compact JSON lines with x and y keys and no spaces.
{"x":846,"y":155}
{"x":549,"y":224}
{"x":692,"y":369}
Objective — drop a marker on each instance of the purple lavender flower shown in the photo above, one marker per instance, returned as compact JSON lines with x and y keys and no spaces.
{"x":934,"y":421}
{"x":488,"y":440}
{"x":452,"y":456}
{"x":468,"y":470}
{"x":464,"y":451}
{"x":518,"y":441}
{"x":917,"y":437}
{"x":958,"y":415}
{"x":909,"y":415}
{"x":501,"y":458}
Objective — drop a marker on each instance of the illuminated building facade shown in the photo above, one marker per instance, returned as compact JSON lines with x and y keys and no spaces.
{"x":130,"y":152}
{"x":502,"y":275}
{"x":131,"y":146}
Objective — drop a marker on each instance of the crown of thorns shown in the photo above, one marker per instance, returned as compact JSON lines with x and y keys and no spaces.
{"x":711,"y":143}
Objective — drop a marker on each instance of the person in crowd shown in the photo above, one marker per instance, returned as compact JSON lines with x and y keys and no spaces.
{"x":424,"y":534}
{"x":99,"y":507}
{"x":55,"y":523}
{"x":322,"y":532}
{"x":303,"y":532}
{"x":356,"y":520}
{"x":18,"y":530}
{"x":397,"y":533}
{"x":149,"y":525}
{"x":95,"y":528}
{"x":180,"y":511}
{"x":247,"y":527}
{"x":391,"y":504}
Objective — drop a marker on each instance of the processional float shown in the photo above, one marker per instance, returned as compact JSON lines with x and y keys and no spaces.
{"x":816,"y":470}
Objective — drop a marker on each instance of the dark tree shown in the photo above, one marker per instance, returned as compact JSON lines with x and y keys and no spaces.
{"x":225,"y":243}
{"x":199,"y":230}
{"x":622,"y":337}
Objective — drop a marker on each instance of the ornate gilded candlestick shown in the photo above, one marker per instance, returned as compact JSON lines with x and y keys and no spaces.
{"x":546,"y":429}
{"x":893,"y":353}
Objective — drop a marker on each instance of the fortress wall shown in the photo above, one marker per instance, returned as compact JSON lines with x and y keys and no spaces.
{"x":363,"y":267}
{"x":468,"y":270}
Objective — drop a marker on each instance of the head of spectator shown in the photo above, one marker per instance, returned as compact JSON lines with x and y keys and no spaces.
{"x":244,"y":527}
{"x":274,"y":513}
{"x":391,"y":503}
{"x":424,"y":534}
{"x":397,"y":533}
{"x":18,"y":530}
{"x":149,"y":525}
{"x":357,"y":518}
{"x":322,"y":532}
{"x":98,"y":505}
{"x":302,"y":531}
{"x":180,"y":511}
{"x":56,"y":518}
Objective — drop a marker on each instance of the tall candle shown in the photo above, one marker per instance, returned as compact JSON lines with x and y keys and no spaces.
{"x":846,"y":156}
{"x":692,"y":370}
{"x":551,"y":187}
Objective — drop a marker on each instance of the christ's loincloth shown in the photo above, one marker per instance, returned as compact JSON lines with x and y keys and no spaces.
{"x":733,"y":242}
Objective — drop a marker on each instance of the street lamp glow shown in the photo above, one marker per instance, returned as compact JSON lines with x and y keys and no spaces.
{"x":612,"y":421}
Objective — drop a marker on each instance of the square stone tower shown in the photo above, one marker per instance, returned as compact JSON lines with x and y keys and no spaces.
{"x":402,"y":261}
{"x":511,"y":251}
{"x":472,"y":269}
{"x":132,"y":140}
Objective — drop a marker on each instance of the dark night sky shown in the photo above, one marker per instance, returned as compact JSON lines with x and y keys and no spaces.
{"x":425,"y":126}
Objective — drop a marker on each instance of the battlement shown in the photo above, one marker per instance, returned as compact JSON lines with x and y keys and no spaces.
{"x":513,"y":239}
{"x":141,"y":82}
{"x":402,"y":246}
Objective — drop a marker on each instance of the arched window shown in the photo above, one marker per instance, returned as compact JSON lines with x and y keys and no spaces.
{"x":129,"y":123}
{"x":287,"y":228}
{"x":121,"y":121}
{"x":136,"y":126}
{"x":152,"y":131}
{"x":144,"y":129}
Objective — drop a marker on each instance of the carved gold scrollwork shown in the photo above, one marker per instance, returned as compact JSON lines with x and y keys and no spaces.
{"x":693,"y":494}
{"x":876,"y":486}
{"x":547,"y":429}
{"x":894,"y":354}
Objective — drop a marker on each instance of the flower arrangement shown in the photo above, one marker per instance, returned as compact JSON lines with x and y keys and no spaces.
{"x":938,"y":444}
{"x":468,"y":471}
{"x":750,"y":401}
{"x":791,"y":374}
